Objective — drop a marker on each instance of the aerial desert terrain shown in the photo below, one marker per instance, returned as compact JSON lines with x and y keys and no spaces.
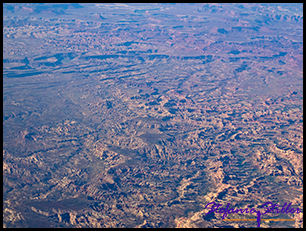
{"x":139,"y":115}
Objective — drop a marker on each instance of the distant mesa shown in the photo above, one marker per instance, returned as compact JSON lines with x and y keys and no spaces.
{"x":127,"y":44}
{"x":235,"y":52}
{"x":238,"y":28}
{"x":222,"y":31}
{"x":281,"y":54}
{"x":17,"y":75}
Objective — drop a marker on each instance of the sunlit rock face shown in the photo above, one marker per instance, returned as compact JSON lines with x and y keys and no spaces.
{"x":139,"y":115}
